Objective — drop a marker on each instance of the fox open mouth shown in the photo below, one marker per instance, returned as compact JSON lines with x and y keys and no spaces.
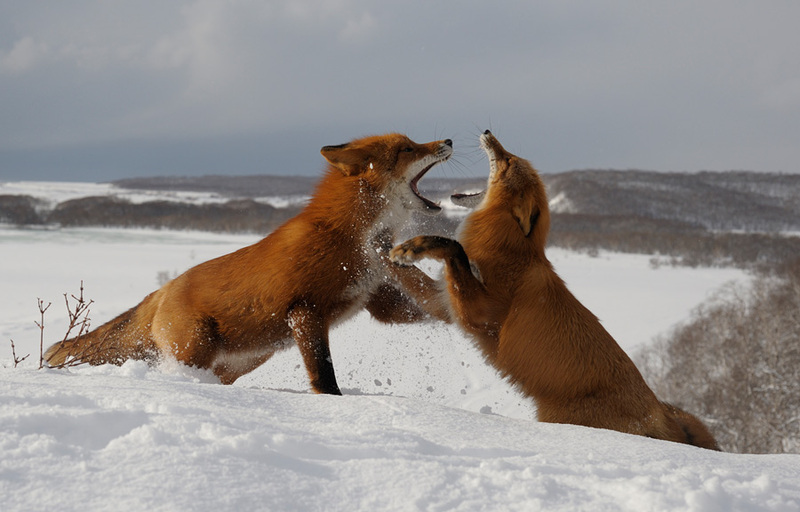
{"x":428,"y":203}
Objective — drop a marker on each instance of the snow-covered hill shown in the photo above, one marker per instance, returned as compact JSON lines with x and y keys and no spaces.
{"x":135,"y":439}
{"x":718,"y":201}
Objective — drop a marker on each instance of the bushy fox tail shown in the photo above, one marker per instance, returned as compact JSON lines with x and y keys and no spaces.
{"x":113,"y":342}
{"x":693,"y":430}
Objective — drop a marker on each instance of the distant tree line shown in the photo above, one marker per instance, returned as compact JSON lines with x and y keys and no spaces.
{"x":234,"y":216}
{"x":672,"y":242}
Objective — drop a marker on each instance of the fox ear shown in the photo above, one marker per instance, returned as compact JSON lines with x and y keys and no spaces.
{"x":347,"y":159}
{"x":526,"y":213}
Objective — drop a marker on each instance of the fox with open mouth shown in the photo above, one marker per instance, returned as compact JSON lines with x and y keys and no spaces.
{"x":232,"y":313}
{"x":502,"y":290}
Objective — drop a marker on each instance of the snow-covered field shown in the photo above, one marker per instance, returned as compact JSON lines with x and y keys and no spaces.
{"x":429,"y":361}
{"x":54,"y":192}
{"x":424,"y":425}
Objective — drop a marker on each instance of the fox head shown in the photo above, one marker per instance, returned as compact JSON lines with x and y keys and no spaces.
{"x":392,"y":164}
{"x":515,"y":186}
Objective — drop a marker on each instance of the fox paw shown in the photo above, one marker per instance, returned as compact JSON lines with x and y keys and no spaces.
{"x":419,"y":247}
{"x":409,"y":251}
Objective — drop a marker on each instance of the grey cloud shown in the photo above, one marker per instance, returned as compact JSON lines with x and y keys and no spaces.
{"x":182,"y":87}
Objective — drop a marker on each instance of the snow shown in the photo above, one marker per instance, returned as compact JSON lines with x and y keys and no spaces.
{"x":561,"y":204}
{"x":424,"y":424}
{"x":131,"y":438}
{"x":54,"y":192}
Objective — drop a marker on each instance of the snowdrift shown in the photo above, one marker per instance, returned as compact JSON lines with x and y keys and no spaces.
{"x":132,"y":438}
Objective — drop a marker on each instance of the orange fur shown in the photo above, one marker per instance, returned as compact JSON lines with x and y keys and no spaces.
{"x":230,"y":314}
{"x":528,"y":324}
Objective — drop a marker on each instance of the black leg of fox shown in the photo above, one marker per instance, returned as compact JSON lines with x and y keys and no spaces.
{"x":310,"y":331}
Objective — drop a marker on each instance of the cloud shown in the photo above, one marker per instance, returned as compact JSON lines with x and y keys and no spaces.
{"x":359,"y":29}
{"x":783,"y":95}
{"x":23,"y":56}
{"x":624,"y":84}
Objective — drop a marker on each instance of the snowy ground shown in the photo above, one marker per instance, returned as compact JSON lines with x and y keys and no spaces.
{"x":133,"y":439}
{"x":429,"y":361}
{"x":425,"y":425}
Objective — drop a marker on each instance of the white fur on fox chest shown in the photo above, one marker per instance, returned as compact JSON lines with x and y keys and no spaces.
{"x":371,"y":275}
{"x":363,"y":283}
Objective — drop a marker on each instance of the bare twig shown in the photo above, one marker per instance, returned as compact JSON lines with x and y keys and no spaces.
{"x":40,"y":324}
{"x":84,"y":356}
{"x":14,"y":355}
{"x":78,"y":314}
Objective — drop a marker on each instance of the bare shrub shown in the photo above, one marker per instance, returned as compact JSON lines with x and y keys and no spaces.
{"x":40,"y":324}
{"x":78,"y":313}
{"x":736,"y":364}
{"x":17,"y":360}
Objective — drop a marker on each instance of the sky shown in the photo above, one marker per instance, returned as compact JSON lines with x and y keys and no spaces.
{"x":96,"y":90}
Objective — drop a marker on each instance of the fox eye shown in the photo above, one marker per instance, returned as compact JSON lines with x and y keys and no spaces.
{"x":407,"y":149}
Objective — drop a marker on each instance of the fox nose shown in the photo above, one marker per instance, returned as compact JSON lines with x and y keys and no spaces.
{"x":487,"y":132}
{"x":448,"y":142}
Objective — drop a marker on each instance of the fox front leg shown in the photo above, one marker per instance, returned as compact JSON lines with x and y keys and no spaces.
{"x":436,"y":247}
{"x":310,"y":332}
{"x":471,"y":303}
{"x":449,"y":251}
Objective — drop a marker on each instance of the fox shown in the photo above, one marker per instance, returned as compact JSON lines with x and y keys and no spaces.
{"x":505,"y":294}
{"x":231,"y":314}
